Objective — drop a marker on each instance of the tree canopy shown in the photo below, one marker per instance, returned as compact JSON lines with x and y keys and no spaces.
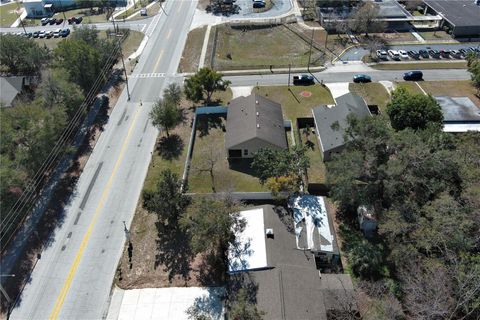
{"x":22,"y":55}
{"x":365,"y":19}
{"x":413,"y":110}
{"x":202,"y":85}
{"x":473,"y":64}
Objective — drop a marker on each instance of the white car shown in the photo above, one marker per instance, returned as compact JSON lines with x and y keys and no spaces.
{"x":403,"y":54}
{"x":42,"y":34}
{"x":394,"y":54}
{"x":56,"y":33}
{"x":382,"y":54}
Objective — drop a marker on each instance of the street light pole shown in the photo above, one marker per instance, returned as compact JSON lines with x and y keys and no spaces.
{"x":310,"y":53}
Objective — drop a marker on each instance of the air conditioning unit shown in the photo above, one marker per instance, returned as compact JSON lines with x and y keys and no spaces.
{"x":269,"y":233}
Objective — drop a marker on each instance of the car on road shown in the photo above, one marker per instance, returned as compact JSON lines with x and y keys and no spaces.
{"x":394,"y":54}
{"x":424,"y":54}
{"x":413,"y":76}
{"x":303,"y":80}
{"x":382,"y":54}
{"x":414,"y":54}
{"x":403,"y":54}
{"x":258,"y":4}
{"x":362,"y":78}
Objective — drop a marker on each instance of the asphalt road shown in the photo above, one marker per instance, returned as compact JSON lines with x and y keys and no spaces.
{"x":338,"y":76}
{"x":73,"y":278}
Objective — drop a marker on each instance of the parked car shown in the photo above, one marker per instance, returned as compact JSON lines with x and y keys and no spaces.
{"x":42,"y":34}
{"x":28,"y":35}
{"x":143,"y":12}
{"x":462,"y":51}
{"x":258,"y":4}
{"x":394,"y":54}
{"x":434,"y":53}
{"x":74,"y":20}
{"x":413,"y":54}
{"x":44,"y":21}
{"x":362,"y":78}
{"x":424,"y":54}
{"x":52,"y":21}
{"x":413,"y":76}
{"x":403,"y":54}
{"x":59,"y":21}
{"x":65,"y":32}
{"x":382,"y":55}
{"x":56,"y":33}
{"x":48,"y":34}
{"x":35,"y":34}
{"x":456,"y":54}
{"x":303,"y":80}
{"x":445,"y":53}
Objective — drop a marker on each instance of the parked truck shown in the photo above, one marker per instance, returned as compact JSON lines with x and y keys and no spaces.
{"x":303,"y":80}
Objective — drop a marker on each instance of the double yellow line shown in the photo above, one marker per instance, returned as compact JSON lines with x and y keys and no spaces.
{"x":73,"y":269}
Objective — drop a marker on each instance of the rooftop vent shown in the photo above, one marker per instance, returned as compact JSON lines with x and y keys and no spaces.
{"x":257,"y":113}
{"x":258,"y":125}
{"x":269,"y":233}
{"x":256,"y":101}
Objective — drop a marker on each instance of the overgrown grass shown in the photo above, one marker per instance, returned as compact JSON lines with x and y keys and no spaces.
{"x":421,"y":65}
{"x":192,"y":51}
{"x":374,"y":93}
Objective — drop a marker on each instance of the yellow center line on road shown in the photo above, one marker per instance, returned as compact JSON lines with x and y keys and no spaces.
{"x":158,"y":60}
{"x":169,"y":34}
{"x":73,"y":269}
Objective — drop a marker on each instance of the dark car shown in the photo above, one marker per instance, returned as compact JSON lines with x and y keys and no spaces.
{"x":362,"y":78}
{"x":44,"y":21}
{"x":413,"y":54}
{"x":59,"y":21}
{"x":79,"y":20}
{"x":52,"y":21}
{"x":463,"y":52}
{"x":35,"y":34}
{"x":303,"y":80}
{"x":423,"y":53}
{"x":445,"y":53}
{"x":413,"y":76}
{"x":258,"y":4}
{"x":64,"y":33}
{"x":74,"y":20}
{"x":434,"y":53}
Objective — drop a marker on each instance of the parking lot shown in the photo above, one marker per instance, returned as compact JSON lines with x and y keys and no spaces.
{"x":356,"y":53}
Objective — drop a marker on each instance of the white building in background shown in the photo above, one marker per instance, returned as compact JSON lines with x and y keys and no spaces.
{"x":45,"y":8}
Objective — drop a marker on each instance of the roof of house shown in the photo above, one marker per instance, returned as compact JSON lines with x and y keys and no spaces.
{"x":291,"y":287}
{"x":327,"y":118}
{"x":457,"y":12}
{"x":458,"y":109}
{"x":254,"y":117}
{"x":10,"y":88}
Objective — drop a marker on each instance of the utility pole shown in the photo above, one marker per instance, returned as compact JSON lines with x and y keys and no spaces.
{"x":310,"y":53}
{"x":161,"y":7}
{"x":289,"y":69}
{"x":20,"y":17}
{"x":123,"y":61}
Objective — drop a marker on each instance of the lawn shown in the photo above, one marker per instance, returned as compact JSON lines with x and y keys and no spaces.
{"x":438,"y":35}
{"x":296,"y":105}
{"x":89,"y":16}
{"x":139,"y":5}
{"x":374,"y":93}
{"x":421,"y":65}
{"x":151,"y":11}
{"x":410,"y":86}
{"x":8,"y":14}
{"x":317,"y":171}
{"x":191,"y":52}
{"x":210,"y":147}
{"x":461,"y":88}
{"x":247,"y":47}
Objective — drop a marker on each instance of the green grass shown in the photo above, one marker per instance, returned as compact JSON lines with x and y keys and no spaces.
{"x":239,"y":48}
{"x":317,"y":171}
{"x":374,"y":93}
{"x":293,"y":109}
{"x":151,"y":11}
{"x":461,"y":88}
{"x":410,"y":86}
{"x":438,"y":35}
{"x":421,"y":65}
{"x":192,"y":50}
{"x":88,"y":16}
{"x":8,"y":15}
{"x":131,"y":44}
{"x":139,"y":5}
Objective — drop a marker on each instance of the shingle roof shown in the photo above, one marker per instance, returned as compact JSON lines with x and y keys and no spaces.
{"x":325,"y":117}
{"x":457,"y":12}
{"x":254,"y":117}
{"x":10,"y":88}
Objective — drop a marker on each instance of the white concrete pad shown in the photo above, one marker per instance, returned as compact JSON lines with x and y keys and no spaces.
{"x":388,"y":85}
{"x":202,"y":18}
{"x":166,"y":303}
{"x":241,"y":91}
{"x":338,"y":89}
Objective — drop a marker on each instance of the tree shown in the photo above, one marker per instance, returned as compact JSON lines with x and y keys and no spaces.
{"x":243,"y":309}
{"x":166,"y":115}
{"x":285,"y":166}
{"x":168,"y":200}
{"x":208,"y":160}
{"x":212,"y":225}
{"x":473,"y":64}
{"x":203,"y":84}
{"x":365,"y":19}
{"x":366,"y":260}
{"x":22,"y":55}
{"x":173,"y":93}
{"x":413,"y":110}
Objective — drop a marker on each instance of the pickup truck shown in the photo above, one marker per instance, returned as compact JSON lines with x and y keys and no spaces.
{"x":303,"y":80}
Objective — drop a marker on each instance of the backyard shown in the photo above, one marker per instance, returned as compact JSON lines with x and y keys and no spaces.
{"x":248,"y":47}
{"x":374,"y":93}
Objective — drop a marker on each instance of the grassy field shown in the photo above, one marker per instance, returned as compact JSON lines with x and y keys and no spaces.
{"x":244,"y":48}
{"x":410,"y":86}
{"x":8,"y":14}
{"x":438,"y":35}
{"x":421,"y":65}
{"x":140,"y":4}
{"x":295,"y":105}
{"x":461,"y":88}
{"x":374,"y":93}
{"x":191,"y":52}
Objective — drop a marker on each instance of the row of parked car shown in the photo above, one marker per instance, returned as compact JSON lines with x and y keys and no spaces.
{"x":45,"y":34}
{"x":398,"y":55}
{"x":52,"y":21}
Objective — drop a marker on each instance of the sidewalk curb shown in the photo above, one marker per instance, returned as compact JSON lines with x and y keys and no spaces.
{"x":261,"y":71}
{"x":345,"y":50}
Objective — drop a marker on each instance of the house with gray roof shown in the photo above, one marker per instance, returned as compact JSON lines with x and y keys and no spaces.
{"x":460,"y":114}
{"x":331,"y":122}
{"x":10,"y":87}
{"x":253,"y":123}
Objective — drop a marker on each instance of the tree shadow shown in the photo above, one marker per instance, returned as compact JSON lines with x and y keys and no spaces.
{"x":243,"y":166}
{"x":207,"y":122}
{"x":211,"y":271}
{"x":208,"y":306}
{"x":173,"y":251}
{"x":242,"y":280}
{"x":219,"y":8}
{"x":286,"y":217}
{"x":171,"y":147}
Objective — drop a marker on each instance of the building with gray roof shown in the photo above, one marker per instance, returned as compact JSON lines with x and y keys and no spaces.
{"x":461,"y":16}
{"x":10,"y":87}
{"x":253,"y":123}
{"x":460,"y":114}
{"x":331,"y":122}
